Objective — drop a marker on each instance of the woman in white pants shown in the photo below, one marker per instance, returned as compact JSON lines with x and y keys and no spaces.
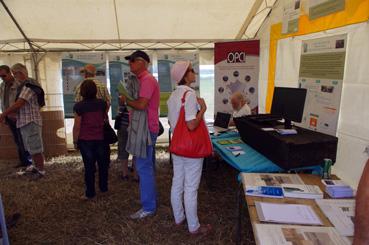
{"x":186,"y":171}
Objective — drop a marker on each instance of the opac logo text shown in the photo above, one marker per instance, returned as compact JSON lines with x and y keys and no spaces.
{"x":236,"y":57}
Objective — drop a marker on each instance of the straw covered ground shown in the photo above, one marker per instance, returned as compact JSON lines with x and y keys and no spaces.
{"x":52,"y":212}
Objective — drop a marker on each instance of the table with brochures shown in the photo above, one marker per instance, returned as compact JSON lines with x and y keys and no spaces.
{"x":251,"y":161}
{"x":262,"y":228}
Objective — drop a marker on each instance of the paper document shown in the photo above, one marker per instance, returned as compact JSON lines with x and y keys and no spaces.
{"x":267,"y":234}
{"x":287,"y":213}
{"x":123,"y":91}
{"x":257,"y":179}
{"x":302,"y":191}
{"x":340,"y":213}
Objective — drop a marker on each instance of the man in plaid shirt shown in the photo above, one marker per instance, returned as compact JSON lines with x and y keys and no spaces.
{"x":29,"y":121}
{"x":89,"y":72}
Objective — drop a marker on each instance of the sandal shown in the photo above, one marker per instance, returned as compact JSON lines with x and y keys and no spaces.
{"x":178,"y":225}
{"x":202,"y":230}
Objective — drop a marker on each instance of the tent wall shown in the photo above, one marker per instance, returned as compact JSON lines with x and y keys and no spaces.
{"x":353,"y":127}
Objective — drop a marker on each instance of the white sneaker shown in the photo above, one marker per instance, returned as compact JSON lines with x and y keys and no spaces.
{"x":140,"y":214}
{"x":28,"y":169}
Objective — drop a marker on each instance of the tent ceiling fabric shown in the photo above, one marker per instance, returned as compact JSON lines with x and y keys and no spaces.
{"x":112,"y":24}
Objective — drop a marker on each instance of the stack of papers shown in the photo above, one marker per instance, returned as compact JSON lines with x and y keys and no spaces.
{"x":302,"y":191}
{"x":338,"y":189}
{"x":287,"y":213}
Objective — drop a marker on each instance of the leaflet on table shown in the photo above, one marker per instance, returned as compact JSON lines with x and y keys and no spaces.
{"x":230,"y":141}
{"x":302,"y":191}
{"x":287,"y":213}
{"x":337,"y":188}
{"x":268,"y":234}
{"x":267,"y":179}
{"x":286,"y":131}
{"x":340,"y":213}
{"x":264,"y":191}
{"x":236,"y":150}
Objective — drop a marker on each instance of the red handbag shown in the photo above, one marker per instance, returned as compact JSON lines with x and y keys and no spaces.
{"x":186,"y":143}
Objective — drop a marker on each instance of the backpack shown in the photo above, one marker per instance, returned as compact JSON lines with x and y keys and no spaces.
{"x":39,"y":92}
{"x":37,"y":89}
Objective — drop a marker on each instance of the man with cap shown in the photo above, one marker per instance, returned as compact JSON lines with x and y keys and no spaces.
{"x":8,"y":92}
{"x":89,"y":72}
{"x":148,"y":100}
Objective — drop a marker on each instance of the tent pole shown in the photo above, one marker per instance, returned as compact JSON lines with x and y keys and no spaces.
{"x":34,"y":54}
{"x":255,"y":7}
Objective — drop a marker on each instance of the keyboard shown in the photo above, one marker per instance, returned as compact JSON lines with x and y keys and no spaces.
{"x":265,"y":118}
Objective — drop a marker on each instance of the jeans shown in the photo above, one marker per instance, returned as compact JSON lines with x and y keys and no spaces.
{"x":93,"y":151}
{"x":23,"y":154}
{"x":145,"y":170}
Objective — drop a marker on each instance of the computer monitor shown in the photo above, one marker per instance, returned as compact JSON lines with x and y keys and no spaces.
{"x":289,"y":103}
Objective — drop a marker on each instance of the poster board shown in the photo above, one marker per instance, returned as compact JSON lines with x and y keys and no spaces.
{"x":72,"y":64}
{"x":236,"y":69}
{"x":321,"y":72}
{"x":320,"y":8}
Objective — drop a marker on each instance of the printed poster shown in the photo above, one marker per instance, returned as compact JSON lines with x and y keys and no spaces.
{"x":320,"y":8}
{"x":236,"y":69}
{"x":118,"y":73}
{"x":290,"y":19}
{"x":321,"y":73}
{"x":72,"y":64}
{"x":165,"y":61}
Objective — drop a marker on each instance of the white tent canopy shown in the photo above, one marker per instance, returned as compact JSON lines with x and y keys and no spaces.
{"x":128,"y":24}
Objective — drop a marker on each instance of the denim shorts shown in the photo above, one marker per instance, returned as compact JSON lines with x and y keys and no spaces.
{"x":32,"y":138}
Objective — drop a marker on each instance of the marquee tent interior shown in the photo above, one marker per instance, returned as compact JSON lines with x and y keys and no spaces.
{"x":53,"y":27}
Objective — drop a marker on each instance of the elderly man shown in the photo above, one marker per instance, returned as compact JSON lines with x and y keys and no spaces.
{"x":29,"y":120}
{"x":89,"y":72}
{"x":8,"y":92}
{"x":148,"y":100}
{"x":239,"y":105}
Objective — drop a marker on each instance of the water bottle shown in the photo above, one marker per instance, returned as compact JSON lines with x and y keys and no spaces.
{"x":327,"y":168}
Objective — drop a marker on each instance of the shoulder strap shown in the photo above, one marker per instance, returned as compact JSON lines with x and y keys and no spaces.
{"x":183,"y":97}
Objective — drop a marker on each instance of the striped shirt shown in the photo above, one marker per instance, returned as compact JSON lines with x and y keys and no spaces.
{"x":30,"y":112}
{"x":102,"y":91}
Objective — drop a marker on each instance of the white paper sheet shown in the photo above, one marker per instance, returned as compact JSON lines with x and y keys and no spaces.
{"x":287,"y":213}
{"x":340,"y":213}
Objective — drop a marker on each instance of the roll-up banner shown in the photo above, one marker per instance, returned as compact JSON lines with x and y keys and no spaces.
{"x":236,"y":69}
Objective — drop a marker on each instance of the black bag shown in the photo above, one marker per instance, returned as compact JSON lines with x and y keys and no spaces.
{"x":110,"y":136}
{"x":161,"y":129}
{"x":39,"y":92}
{"x":118,"y":121}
